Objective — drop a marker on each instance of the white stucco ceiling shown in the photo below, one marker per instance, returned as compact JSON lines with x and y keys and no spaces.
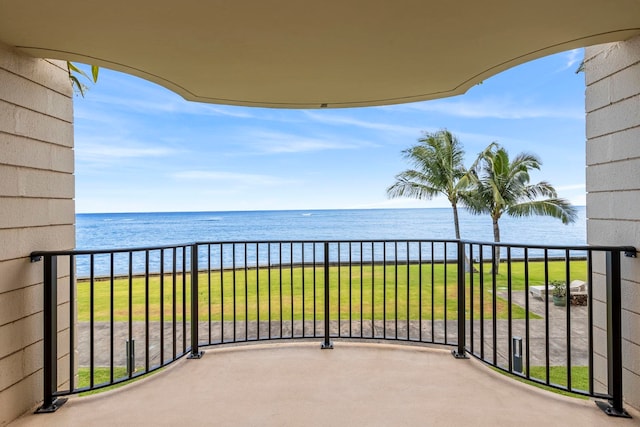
{"x":304,"y":54}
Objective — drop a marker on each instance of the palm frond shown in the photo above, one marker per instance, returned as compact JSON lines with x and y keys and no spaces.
{"x":74,"y":72}
{"x":553,"y":207}
{"x":437,"y":162}
{"x":411,"y":189}
{"x":541,"y":189}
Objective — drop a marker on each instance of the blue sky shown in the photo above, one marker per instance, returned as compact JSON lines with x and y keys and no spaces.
{"x":141,"y":148}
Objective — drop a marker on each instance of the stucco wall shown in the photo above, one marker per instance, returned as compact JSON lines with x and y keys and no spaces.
{"x":612,"y":73}
{"x":36,"y":213}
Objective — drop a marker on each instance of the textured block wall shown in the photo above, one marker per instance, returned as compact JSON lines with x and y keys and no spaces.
{"x":37,"y":212}
{"x":612,"y":73}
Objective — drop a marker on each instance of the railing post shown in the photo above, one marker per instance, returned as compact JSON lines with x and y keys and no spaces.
{"x":50,"y":338}
{"x":195,"y":353}
{"x":614,"y":337}
{"x":460,"y":353}
{"x":326,"y":344}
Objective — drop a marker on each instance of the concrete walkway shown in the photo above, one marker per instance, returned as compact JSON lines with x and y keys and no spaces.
{"x":355,"y":384}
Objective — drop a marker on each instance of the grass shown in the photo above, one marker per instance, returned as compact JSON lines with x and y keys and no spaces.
{"x":558,"y":376}
{"x":100,"y":375}
{"x":367,"y":291}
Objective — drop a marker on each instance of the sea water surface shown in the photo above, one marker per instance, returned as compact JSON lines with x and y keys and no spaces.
{"x":137,"y":230}
{"x":126,"y":230}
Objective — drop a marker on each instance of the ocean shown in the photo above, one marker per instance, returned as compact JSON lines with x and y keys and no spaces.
{"x":137,"y":230}
{"x":125,"y":230}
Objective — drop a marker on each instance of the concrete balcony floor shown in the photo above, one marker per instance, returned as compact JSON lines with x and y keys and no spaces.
{"x":355,"y":384}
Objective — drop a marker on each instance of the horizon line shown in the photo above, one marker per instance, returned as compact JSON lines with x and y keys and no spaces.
{"x":276,"y":210}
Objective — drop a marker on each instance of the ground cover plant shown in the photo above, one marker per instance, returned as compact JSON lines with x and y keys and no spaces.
{"x":102,"y":375}
{"x":367,"y":291}
{"x":557,"y":376}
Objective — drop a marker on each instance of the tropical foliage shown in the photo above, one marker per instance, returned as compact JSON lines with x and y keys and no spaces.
{"x":438,"y":169}
{"x":75,"y":73}
{"x":502,"y":186}
{"x":494,"y":185}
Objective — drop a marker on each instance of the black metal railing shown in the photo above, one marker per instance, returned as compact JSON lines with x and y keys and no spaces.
{"x":127,"y":312}
{"x":282,"y":290}
{"x":101,"y":303}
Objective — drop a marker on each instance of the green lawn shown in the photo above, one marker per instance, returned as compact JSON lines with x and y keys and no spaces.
{"x":558,"y":375}
{"x":289,"y":292}
{"x":102,"y":375}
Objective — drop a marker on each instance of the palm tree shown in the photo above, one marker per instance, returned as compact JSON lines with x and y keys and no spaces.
{"x":75,"y":72}
{"x":437,"y":169}
{"x":502,"y":187}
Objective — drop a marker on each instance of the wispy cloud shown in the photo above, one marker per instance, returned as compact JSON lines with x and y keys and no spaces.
{"x":232,"y":178}
{"x":571,"y":187}
{"x":345,"y":120}
{"x":580,"y":200}
{"x":103,"y":152}
{"x":141,"y":147}
{"x":128,"y":93}
{"x":573,"y":58}
{"x":494,"y":108}
{"x":575,"y":193}
{"x":172,"y":104}
{"x":274,"y":142}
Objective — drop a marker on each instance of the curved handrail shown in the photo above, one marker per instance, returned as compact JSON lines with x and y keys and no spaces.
{"x":409,"y":290}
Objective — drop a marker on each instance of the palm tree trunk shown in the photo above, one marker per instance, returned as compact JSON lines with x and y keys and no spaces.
{"x":456,"y":224}
{"x":496,"y":238}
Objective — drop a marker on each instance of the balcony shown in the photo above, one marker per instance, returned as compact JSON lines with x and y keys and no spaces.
{"x":134,"y":311}
{"x":355,"y":384}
